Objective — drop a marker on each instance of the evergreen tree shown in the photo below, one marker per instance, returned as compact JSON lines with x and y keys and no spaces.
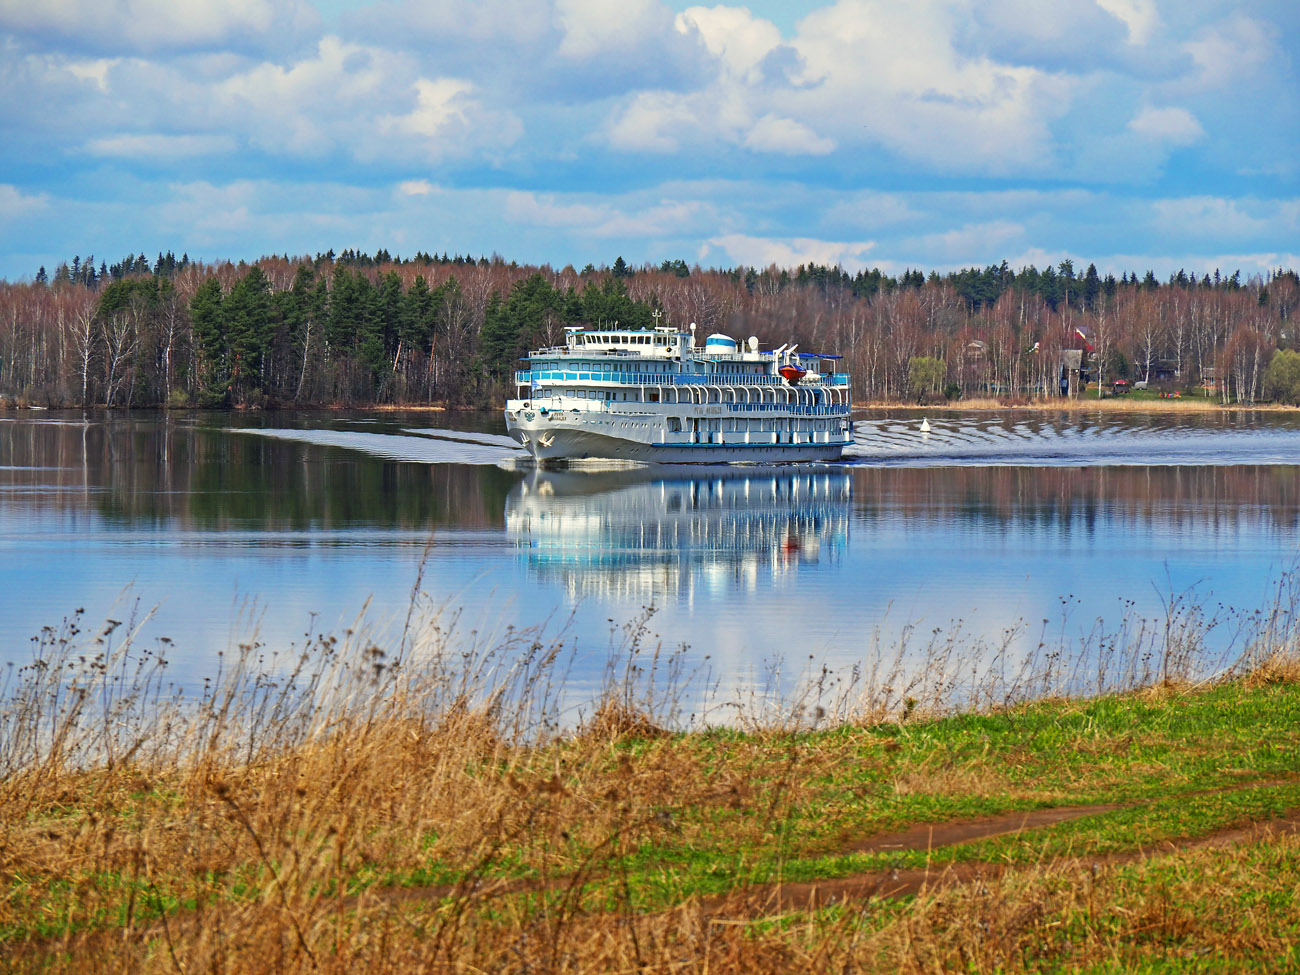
{"x":1092,"y":287}
{"x":250,"y":324}
{"x":418,"y":316}
{"x":208,"y":319}
{"x":513,"y":326}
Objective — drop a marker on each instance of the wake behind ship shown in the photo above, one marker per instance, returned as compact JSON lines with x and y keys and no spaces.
{"x":653,"y":395}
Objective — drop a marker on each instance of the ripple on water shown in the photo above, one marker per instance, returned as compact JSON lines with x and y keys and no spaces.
{"x":963,"y":442}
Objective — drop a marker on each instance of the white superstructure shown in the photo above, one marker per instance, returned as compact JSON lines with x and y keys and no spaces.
{"x":654,"y":395}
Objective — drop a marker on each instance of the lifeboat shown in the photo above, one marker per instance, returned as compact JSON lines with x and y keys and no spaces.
{"x":792,"y":374}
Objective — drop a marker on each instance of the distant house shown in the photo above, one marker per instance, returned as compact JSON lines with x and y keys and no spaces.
{"x":1073,"y":376}
{"x":1165,"y":370}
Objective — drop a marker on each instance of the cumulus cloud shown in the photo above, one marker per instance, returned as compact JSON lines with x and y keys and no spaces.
{"x":751,"y":251}
{"x":597,"y":27}
{"x":857,"y":73}
{"x":773,"y":134}
{"x":419,"y":103}
{"x":575,"y":51}
{"x":1173,"y":125}
{"x":1140,"y":17}
{"x":147,"y":26}
{"x":1234,"y":48}
{"x":740,"y":41}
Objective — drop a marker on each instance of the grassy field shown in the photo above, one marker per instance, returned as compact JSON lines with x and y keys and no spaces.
{"x":407,"y":810}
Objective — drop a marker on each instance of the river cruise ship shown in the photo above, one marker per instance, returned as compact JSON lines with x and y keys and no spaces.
{"x":654,"y":395}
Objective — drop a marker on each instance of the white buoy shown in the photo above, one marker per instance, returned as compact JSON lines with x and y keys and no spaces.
{"x":925,"y":425}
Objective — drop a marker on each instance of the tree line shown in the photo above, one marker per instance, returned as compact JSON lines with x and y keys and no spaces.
{"x":356,"y":329}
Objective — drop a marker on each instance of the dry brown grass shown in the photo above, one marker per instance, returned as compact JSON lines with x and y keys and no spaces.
{"x":431,"y":811}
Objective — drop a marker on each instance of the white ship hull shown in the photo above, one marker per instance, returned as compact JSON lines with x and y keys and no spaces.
{"x":556,"y":437}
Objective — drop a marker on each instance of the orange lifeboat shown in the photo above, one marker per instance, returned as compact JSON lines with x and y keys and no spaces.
{"x":792,"y":374}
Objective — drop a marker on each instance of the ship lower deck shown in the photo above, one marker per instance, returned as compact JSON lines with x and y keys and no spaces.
{"x":557,"y":436}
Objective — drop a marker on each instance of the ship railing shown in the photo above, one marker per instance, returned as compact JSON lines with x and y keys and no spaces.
{"x":668,"y":378}
{"x":546,"y":405}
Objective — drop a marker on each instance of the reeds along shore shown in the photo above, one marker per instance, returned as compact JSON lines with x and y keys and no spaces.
{"x":422,"y":803}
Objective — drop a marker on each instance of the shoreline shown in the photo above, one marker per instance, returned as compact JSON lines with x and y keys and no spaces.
{"x":1084,"y":405}
{"x":1110,"y":404}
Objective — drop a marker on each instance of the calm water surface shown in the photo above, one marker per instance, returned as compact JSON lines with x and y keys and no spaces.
{"x":226,"y":528}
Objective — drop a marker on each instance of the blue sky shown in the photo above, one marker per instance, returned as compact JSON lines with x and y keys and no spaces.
{"x":871,"y":133}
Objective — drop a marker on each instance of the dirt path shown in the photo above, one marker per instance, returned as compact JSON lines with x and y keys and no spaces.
{"x":779,"y":898}
{"x":928,"y":836}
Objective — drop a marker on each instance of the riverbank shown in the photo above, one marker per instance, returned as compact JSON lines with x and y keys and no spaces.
{"x":1128,"y":403}
{"x":382,"y":809}
{"x":1088,"y":404}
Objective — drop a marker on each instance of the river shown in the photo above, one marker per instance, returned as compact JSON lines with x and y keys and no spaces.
{"x":1017,"y":528}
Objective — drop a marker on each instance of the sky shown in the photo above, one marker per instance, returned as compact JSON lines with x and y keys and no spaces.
{"x":932,"y":134}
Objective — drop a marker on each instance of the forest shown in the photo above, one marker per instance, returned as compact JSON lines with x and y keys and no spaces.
{"x":353,"y":329}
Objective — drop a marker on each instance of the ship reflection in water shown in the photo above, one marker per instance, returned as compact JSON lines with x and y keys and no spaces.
{"x":646,"y":535}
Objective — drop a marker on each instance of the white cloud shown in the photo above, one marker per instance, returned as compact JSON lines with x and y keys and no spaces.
{"x":415,"y":187}
{"x":786,"y":136}
{"x":328,"y":102}
{"x":438,"y":105}
{"x":859,"y":73}
{"x":890,"y":74}
{"x":597,"y":27}
{"x":95,"y":71}
{"x":159,"y":25}
{"x":791,"y":252}
{"x":655,"y":122}
{"x":1175,"y":126}
{"x":15,"y":203}
{"x":733,"y":35}
{"x":157,"y":147}
{"x":1233,"y":49}
{"x":1140,"y":17}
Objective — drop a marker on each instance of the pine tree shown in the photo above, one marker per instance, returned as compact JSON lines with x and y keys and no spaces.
{"x":250,"y":325}
{"x":208,"y":319}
